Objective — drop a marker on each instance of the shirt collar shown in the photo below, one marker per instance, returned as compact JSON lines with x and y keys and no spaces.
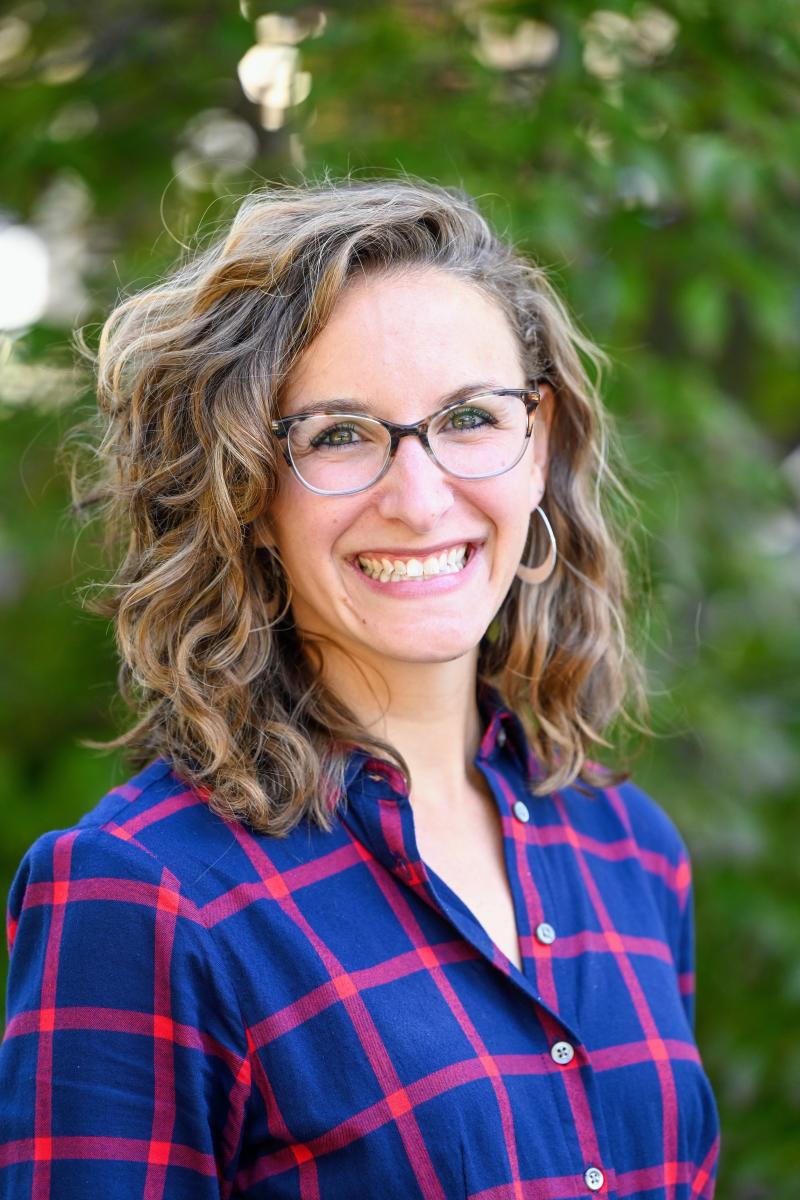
{"x":376,"y":807}
{"x":503,"y":735}
{"x":502,"y":729}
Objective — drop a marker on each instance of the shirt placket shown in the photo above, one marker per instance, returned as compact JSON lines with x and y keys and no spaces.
{"x":536,"y":912}
{"x":386,"y":819}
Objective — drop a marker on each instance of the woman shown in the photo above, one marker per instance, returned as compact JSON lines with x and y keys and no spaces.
{"x":367,"y":922}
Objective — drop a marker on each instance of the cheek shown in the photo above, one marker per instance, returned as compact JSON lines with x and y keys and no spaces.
{"x":294,"y":528}
{"x":512,"y":509}
{"x":513,"y":523}
{"x":308,"y":527}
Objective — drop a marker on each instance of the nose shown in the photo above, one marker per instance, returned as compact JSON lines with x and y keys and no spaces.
{"x":415,"y":489}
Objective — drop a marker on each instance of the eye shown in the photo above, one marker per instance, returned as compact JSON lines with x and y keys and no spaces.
{"x":470,"y":418}
{"x":335,"y":435}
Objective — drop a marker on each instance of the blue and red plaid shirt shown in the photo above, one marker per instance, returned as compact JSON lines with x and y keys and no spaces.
{"x":196,"y":1010}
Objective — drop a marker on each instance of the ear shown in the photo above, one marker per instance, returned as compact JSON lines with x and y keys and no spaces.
{"x":540,"y":438}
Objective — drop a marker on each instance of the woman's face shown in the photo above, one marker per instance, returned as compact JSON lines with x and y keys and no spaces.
{"x":402,"y":345}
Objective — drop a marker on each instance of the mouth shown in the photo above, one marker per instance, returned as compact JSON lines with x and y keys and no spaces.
{"x":385,"y":568}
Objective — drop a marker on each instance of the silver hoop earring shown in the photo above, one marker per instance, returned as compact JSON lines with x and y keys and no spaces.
{"x":545,"y":569}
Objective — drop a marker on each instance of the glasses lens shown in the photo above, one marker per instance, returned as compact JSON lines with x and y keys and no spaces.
{"x":482,"y":436}
{"x":338,"y":453}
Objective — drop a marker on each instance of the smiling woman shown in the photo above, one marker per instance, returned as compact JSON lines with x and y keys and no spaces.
{"x":467,"y":492}
{"x":367,"y":920}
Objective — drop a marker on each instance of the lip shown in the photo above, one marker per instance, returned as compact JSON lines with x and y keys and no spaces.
{"x":420,"y":588}
{"x":421,"y":553}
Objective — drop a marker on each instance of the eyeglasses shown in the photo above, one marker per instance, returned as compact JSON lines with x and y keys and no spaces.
{"x":341,"y":453}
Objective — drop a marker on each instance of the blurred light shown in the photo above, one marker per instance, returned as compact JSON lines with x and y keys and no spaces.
{"x":635,"y":187}
{"x":605,"y":32}
{"x":781,"y":534}
{"x":599,"y":143}
{"x":269,"y":72}
{"x":39,"y":385}
{"x":656,"y":31}
{"x":24,"y":277}
{"x":67,"y":62}
{"x":216,"y":144}
{"x":273,"y":27}
{"x":652,"y":129}
{"x":14,"y":35}
{"x":270,"y":78}
{"x":528,"y":44}
{"x":73,"y":120}
{"x":218,"y":136}
{"x":612,"y":39}
{"x":62,"y":217}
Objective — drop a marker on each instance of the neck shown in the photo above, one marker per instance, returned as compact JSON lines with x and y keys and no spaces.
{"x":426,"y":711}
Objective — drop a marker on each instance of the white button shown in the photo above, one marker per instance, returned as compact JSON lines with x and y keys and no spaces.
{"x":501,"y":736}
{"x":594,"y":1179}
{"x":562,"y":1053}
{"x":545,"y":934}
{"x":520,"y":811}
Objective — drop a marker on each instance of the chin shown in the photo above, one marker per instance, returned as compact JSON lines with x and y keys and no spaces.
{"x":431,"y":647}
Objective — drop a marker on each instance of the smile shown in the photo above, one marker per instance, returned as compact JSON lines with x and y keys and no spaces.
{"x":399,"y":570}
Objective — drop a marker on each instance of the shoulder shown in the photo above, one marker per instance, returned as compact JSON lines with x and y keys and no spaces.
{"x":152,"y":830}
{"x":624,"y":822}
{"x":645,"y":818}
{"x":107,"y":941}
{"x":156,"y":830}
{"x":624,"y":809}
{"x":105,"y":907}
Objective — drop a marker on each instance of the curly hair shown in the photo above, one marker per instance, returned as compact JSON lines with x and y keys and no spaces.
{"x":184,"y":465}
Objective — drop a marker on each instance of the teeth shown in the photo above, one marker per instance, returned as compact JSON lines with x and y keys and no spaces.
{"x":447,"y":562}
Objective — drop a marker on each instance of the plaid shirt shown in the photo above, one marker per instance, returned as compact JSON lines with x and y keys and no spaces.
{"x":197,"y":1010}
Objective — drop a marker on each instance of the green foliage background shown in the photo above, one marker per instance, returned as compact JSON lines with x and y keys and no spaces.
{"x":650,"y":156}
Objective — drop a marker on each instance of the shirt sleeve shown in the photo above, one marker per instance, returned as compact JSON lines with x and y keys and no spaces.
{"x":668,"y":867}
{"x":685,"y":945}
{"x":124,"y":1069}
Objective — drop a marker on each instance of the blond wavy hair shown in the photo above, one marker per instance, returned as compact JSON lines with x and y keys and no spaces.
{"x":183,"y":466}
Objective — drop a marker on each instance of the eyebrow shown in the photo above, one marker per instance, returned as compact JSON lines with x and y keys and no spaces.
{"x":345,"y":404}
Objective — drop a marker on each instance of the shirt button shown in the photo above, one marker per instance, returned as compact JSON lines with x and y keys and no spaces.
{"x":545,"y":934}
{"x":594,"y":1179}
{"x":520,"y":811}
{"x":562,"y":1053}
{"x":501,"y":736}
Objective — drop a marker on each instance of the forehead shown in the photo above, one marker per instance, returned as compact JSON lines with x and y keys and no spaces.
{"x":422,"y":333}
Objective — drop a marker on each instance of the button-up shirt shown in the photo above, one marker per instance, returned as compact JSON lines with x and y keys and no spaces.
{"x":199,"y":1010}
